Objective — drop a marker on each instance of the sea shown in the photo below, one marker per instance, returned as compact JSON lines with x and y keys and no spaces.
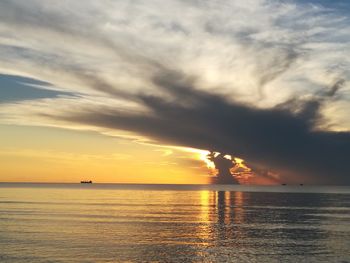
{"x":173,"y":223}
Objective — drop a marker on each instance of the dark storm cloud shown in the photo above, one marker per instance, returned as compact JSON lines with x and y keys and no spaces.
{"x":282,"y":138}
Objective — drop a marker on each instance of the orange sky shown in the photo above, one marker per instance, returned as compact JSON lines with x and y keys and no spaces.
{"x":38,"y":154}
{"x":41,"y":154}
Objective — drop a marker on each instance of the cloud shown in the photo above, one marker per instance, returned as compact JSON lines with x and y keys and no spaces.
{"x":265,"y":80}
{"x":282,"y":138}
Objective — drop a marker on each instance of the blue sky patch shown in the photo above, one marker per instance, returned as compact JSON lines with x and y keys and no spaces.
{"x":16,"y":88}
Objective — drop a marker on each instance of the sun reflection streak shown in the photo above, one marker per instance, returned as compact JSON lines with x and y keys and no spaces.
{"x":227,"y":207}
{"x":221,"y":216}
{"x":205,"y":216}
{"x":205,"y":206}
{"x":238,"y":210}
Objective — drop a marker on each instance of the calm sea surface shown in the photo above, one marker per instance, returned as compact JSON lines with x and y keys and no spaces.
{"x":169,"y":223}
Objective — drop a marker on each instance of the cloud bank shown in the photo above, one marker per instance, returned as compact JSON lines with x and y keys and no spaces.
{"x":267,"y":81}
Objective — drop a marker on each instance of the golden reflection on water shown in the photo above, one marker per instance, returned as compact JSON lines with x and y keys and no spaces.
{"x":205,"y":217}
{"x":229,"y":207}
{"x":238,"y":209}
{"x":221,"y":215}
{"x":205,"y":206}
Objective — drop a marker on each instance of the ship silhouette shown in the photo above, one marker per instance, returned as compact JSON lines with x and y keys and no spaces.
{"x":86,"y":182}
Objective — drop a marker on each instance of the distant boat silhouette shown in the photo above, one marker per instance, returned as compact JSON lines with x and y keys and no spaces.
{"x":86,"y":182}
{"x":284,"y":184}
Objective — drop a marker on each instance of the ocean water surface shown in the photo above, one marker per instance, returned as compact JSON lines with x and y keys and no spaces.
{"x":173,"y":223}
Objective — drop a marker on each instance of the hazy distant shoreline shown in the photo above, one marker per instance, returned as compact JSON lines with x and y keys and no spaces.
{"x":185,"y":187}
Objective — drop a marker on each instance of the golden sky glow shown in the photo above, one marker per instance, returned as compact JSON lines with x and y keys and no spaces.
{"x":41,"y":154}
{"x":36,"y":154}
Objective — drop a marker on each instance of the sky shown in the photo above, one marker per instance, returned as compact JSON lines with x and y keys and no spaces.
{"x":140,"y":91}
